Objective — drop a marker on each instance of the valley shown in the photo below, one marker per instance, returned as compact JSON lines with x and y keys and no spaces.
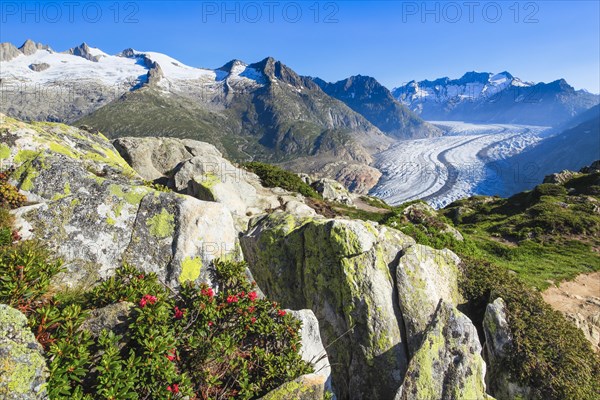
{"x":469,"y":159}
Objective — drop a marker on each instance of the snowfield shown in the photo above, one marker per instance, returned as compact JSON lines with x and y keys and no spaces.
{"x":465,"y":162}
{"x":109,"y":70}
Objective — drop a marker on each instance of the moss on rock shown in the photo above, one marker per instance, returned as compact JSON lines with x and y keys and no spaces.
{"x":190,"y":269}
{"x":162,"y":224}
{"x":22,"y":365}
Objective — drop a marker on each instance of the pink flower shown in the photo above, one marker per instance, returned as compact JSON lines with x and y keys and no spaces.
{"x":210,"y":323}
{"x":141,"y":276}
{"x":171,"y":357}
{"x":178,"y":313}
{"x":147,"y":298}
{"x":174,"y":388}
{"x":232,"y":299}
{"x":208,"y":292}
{"x":251,"y":309}
{"x":252,"y":296}
{"x":281,"y":313}
{"x":253,"y":319}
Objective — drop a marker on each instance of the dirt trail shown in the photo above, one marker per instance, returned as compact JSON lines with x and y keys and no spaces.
{"x":579,"y":301}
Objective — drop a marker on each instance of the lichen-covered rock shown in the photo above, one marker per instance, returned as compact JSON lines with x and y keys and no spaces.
{"x":424,"y":277}
{"x":155,"y":157}
{"x":112,"y":317}
{"x":332,"y":190}
{"x":560,"y":177}
{"x":343,"y":271}
{"x":448,"y":364}
{"x":96,"y":214}
{"x":423,"y":213}
{"x":305,"y":387}
{"x":498,"y":340}
{"x":312,"y":350}
{"x":212,"y":178}
{"x":22,"y":366}
{"x":199,"y":170}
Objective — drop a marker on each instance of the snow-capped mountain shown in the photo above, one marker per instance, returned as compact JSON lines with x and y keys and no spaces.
{"x":261,"y":110}
{"x":494,"y":98}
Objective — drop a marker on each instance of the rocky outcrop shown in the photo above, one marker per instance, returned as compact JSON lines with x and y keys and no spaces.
{"x":424,"y":277}
{"x":423,"y":213}
{"x":448,"y":363}
{"x":84,"y":51}
{"x":312,"y":350}
{"x":498,"y":340}
{"x":332,"y":190}
{"x":30,"y":47}
{"x":39,"y":67}
{"x":358,"y":178}
{"x":343,"y":270}
{"x":306,"y":387}
{"x":22,"y":366}
{"x":589,"y":325}
{"x":8,"y":51}
{"x":153,"y":158}
{"x":93,"y":210}
{"x":199,"y":170}
{"x":560,"y":177}
{"x":113,"y":317}
{"x":593,"y":167}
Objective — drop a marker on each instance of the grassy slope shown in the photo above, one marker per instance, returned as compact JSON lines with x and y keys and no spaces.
{"x":549,"y":234}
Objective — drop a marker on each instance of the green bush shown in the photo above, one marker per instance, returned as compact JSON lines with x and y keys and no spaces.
{"x":548,"y":354}
{"x":548,"y":189}
{"x":272,"y":176}
{"x":6,"y":227}
{"x":197,"y":344}
{"x":26,"y":270}
{"x":157,"y":186}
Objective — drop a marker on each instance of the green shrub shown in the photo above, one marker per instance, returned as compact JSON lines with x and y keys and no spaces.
{"x":272,"y":176}
{"x":157,"y":186}
{"x":25,"y":273}
{"x":6,"y":227}
{"x":195,"y":344}
{"x":548,"y":189}
{"x":548,"y":354}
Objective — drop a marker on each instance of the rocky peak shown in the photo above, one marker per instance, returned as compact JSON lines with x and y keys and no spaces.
{"x":277,"y":71}
{"x":474,"y":76}
{"x":83,"y":50}
{"x":129,"y":53}
{"x":30,"y":47}
{"x":8,"y":51}
{"x":232,"y":65}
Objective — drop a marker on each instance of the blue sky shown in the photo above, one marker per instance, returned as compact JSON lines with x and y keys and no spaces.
{"x":394,"y":41}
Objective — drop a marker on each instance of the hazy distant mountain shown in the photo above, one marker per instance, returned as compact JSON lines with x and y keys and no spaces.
{"x":497,"y":98}
{"x":372,"y":100}
{"x":571,"y":150}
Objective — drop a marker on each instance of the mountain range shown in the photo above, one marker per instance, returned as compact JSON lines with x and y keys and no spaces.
{"x":484,"y":97}
{"x":264,"y":110}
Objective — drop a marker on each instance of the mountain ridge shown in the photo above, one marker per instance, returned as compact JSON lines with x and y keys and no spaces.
{"x":485,"y":97}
